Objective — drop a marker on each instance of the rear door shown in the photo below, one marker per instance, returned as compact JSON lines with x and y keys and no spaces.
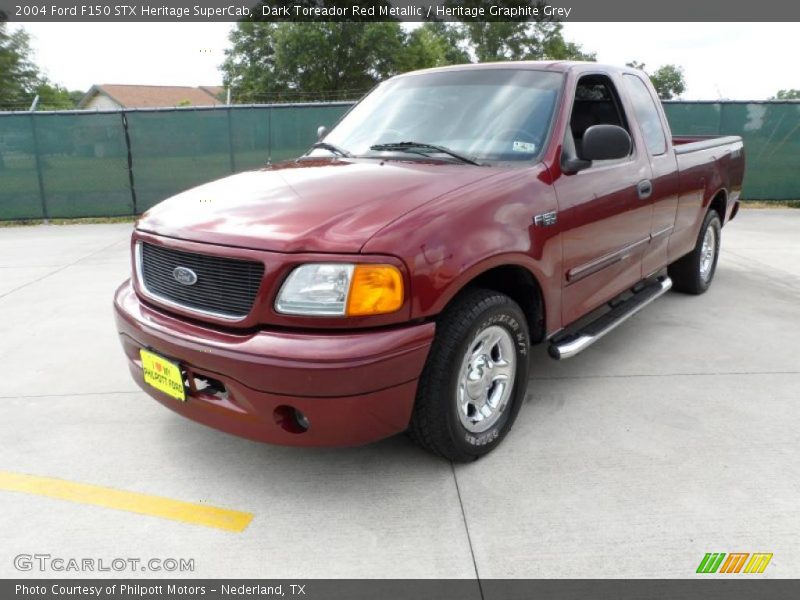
{"x":665,"y":184}
{"x":604,"y":221}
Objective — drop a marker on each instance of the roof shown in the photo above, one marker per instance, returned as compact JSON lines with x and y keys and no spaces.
{"x":215,"y":90}
{"x":153,"y":96}
{"x":559,"y":66}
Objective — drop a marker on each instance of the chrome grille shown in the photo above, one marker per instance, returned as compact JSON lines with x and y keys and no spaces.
{"x":225,"y":287}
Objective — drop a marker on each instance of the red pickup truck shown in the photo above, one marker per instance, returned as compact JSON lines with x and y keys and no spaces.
{"x":394,"y":277}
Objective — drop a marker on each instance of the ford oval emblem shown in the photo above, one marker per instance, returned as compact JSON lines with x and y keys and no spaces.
{"x":184,"y":276}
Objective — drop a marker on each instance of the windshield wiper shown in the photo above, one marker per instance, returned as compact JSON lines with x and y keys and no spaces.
{"x":417,"y":146}
{"x":332,"y":148}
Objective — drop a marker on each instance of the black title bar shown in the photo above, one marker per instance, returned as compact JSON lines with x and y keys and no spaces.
{"x":397,"y":10}
{"x":707,"y":588}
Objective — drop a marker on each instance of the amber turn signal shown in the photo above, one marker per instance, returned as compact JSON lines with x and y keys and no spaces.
{"x":375,"y":290}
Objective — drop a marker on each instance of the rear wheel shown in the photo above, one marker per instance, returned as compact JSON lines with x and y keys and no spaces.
{"x":474,"y":382}
{"x":694,"y":273}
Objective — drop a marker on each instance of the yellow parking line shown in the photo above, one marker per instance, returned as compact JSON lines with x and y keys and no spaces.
{"x":143,"y":504}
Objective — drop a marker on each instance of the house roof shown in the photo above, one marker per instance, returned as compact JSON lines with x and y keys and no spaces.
{"x":152,"y":96}
{"x":215,"y":90}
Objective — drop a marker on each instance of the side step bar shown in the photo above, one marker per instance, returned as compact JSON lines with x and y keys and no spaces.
{"x":572,"y":344}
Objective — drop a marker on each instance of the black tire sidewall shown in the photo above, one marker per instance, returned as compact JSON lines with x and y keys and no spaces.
{"x":509,"y":316}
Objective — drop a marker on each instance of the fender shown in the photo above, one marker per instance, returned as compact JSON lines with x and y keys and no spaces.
{"x":682,"y":242}
{"x":453,"y":239}
{"x":551,"y":300}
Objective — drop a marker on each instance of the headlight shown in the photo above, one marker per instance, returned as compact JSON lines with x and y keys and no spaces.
{"x":340,"y":289}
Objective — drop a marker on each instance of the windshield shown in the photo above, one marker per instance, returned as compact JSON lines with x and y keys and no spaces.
{"x":486,"y":115}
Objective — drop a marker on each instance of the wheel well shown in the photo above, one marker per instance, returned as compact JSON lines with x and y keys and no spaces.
{"x":521,"y":286}
{"x":720,"y":204}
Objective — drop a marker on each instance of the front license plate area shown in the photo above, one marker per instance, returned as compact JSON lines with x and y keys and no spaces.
{"x":163,"y":374}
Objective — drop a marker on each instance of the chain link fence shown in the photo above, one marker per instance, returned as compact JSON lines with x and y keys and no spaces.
{"x":100,"y":164}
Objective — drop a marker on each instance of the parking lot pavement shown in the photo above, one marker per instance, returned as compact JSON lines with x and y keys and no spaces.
{"x":674,"y":436}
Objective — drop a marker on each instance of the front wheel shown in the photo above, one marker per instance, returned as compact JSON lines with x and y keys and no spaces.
{"x":694,"y":273}
{"x":474,"y":382}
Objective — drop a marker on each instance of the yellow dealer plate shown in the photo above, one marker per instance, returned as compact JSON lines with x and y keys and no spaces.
{"x":163,"y":374}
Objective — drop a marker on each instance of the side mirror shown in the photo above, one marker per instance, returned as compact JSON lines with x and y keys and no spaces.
{"x":605,"y":142}
{"x":322,"y":131}
{"x":570,"y":165}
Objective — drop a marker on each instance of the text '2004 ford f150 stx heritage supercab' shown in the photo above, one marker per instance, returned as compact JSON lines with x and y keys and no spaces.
{"x":394,"y":277}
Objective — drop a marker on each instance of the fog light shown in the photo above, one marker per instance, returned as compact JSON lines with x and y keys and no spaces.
{"x":290,"y":419}
{"x":301,"y":419}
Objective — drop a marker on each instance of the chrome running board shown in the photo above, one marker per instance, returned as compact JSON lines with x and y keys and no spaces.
{"x":571,"y":344}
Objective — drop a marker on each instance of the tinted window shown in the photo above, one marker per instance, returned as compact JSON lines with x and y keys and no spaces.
{"x":647,"y":113}
{"x":595,"y":103}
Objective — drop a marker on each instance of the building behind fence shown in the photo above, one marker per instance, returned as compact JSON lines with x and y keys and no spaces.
{"x":98,"y":164}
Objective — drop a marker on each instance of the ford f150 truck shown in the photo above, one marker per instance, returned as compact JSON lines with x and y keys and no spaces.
{"x":394,"y":278}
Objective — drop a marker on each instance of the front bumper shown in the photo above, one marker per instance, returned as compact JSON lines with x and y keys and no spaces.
{"x":353,"y":387}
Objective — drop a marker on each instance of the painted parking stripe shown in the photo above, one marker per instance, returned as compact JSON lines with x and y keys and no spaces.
{"x":143,"y":504}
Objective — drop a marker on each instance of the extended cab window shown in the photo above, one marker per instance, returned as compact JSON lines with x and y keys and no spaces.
{"x":647,"y":114}
{"x":596,"y":103}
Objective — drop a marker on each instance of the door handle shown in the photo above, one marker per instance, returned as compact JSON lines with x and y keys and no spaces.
{"x":645,"y":189}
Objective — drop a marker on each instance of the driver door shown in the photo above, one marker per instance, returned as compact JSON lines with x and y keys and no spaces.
{"x":605,"y":222}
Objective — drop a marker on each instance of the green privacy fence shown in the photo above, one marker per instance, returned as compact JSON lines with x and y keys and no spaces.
{"x":771,"y":133}
{"x":89,"y":164}
{"x":98,"y":164}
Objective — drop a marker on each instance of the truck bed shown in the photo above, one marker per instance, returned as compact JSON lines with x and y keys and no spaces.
{"x":692,"y":143}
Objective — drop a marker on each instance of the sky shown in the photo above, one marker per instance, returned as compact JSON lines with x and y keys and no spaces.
{"x":739,"y":61}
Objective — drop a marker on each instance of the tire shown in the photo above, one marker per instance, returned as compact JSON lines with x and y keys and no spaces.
{"x":461,"y":376}
{"x":694,"y":273}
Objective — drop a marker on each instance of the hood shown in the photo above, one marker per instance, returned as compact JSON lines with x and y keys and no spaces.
{"x":312,"y":205}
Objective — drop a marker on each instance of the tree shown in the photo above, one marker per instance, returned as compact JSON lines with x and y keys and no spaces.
{"x":433,"y":44}
{"x":306,"y":61}
{"x":557,"y":48}
{"x":341,"y":58}
{"x":499,"y":39}
{"x":20,"y":80}
{"x":667,"y":79}
{"x":509,"y":40}
{"x":791,"y":94}
{"x":55,"y":97}
{"x":18,"y":75}
{"x":310,"y":60}
{"x":250,"y":61}
{"x":329,"y":60}
{"x":76,"y":96}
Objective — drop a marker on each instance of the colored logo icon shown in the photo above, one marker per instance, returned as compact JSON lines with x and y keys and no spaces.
{"x":736,"y":562}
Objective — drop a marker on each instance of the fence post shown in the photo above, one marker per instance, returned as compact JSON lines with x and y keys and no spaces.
{"x":230,"y":138}
{"x":269,"y":135}
{"x":124,"y":118}
{"x":37,"y":161}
